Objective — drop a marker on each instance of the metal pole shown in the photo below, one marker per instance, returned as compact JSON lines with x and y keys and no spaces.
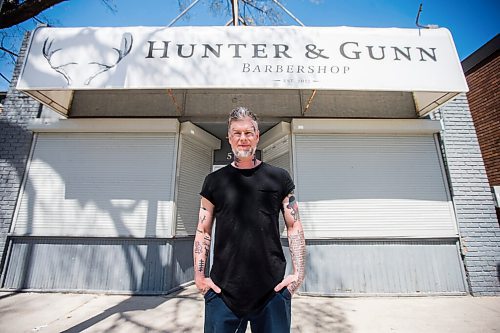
{"x":288,"y":12}
{"x":181,"y":14}
{"x":236,"y":14}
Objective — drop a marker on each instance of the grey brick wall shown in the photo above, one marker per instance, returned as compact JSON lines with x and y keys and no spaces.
{"x":15,"y":144}
{"x":472,"y":198}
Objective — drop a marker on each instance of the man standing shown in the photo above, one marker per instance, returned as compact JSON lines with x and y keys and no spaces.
{"x":247,"y":282}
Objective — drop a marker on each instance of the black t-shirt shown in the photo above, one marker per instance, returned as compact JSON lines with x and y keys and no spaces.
{"x":248,"y":257}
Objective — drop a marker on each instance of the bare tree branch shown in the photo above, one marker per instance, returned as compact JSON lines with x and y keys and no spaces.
{"x":4,"y":77}
{"x":13,"y":15}
{"x":38,"y":20}
{"x":110,"y":5}
{"x":8,"y":51}
{"x":253,"y":5}
{"x":251,"y":11}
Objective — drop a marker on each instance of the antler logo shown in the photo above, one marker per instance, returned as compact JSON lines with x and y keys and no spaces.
{"x":69,"y":70}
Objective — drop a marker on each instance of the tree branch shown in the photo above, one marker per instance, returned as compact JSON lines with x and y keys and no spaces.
{"x":8,"y":51}
{"x":25,"y":11}
{"x":38,"y":20}
{"x":4,"y":77}
{"x":251,"y":4}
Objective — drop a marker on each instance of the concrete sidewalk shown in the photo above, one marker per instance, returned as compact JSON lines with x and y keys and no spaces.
{"x":183,"y":312}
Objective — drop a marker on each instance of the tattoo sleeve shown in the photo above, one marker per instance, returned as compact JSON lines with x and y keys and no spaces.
{"x":201,"y":266}
{"x":293,"y":207}
{"x":296,"y":240}
{"x":297,"y":244}
{"x":201,"y":246}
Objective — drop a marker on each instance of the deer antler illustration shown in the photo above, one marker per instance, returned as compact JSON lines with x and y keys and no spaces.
{"x":123,"y":51}
{"x":48,"y":53}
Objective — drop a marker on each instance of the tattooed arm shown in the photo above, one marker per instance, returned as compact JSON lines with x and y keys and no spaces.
{"x":201,"y":247}
{"x":297,"y":245}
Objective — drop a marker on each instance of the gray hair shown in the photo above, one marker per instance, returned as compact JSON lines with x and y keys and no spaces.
{"x":240,"y":113}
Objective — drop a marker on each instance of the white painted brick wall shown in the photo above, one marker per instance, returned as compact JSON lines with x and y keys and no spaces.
{"x":15,"y":143}
{"x":474,"y":207}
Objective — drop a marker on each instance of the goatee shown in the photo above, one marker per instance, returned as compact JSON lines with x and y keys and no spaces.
{"x":243,"y":153}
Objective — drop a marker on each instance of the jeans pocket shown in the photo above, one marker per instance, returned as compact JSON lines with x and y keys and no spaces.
{"x":209,"y":295}
{"x":286,"y":293}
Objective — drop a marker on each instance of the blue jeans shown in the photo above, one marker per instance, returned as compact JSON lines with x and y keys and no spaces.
{"x":275,"y":317}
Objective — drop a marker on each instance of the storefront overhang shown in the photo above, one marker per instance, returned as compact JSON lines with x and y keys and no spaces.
{"x":63,"y":61}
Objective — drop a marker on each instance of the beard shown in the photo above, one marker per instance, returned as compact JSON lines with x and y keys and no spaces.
{"x":244,"y":153}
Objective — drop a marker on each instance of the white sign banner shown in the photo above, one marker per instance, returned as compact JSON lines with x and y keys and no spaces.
{"x":336,"y":58}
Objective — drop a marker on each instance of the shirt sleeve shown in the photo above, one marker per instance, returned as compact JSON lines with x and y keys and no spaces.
{"x":207,"y":189}
{"x":288,"y":185}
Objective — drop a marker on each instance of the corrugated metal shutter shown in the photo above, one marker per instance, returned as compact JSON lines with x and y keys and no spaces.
{"x":371,"y":186}
{"x":96,"y":184}
{"x":278,"y":154}
{"x":145,"y":266}
{"x":409,"y":266}
{"x":196,"y":161}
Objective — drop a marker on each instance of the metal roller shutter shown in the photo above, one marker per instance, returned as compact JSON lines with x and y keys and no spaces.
{"x":195,"y":162}
{"x":360,"y":267}
{"x":372,"y":186}
{"x":99,"y":184}
{"x":375,"y":206}
{"x":278,"y":154}
{"x":138,"y":265}
{"x":276,"y":151}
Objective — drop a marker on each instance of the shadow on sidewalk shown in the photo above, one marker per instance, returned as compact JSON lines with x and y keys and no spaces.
{"x":122,"y":308}
{"x":133,"y":312}
{"x":318,"y":314}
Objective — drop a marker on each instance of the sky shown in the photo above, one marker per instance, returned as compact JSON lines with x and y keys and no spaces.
{"x":472,"y":22}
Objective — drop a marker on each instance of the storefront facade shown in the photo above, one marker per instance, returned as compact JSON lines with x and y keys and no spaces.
{"x":109,"y":198}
